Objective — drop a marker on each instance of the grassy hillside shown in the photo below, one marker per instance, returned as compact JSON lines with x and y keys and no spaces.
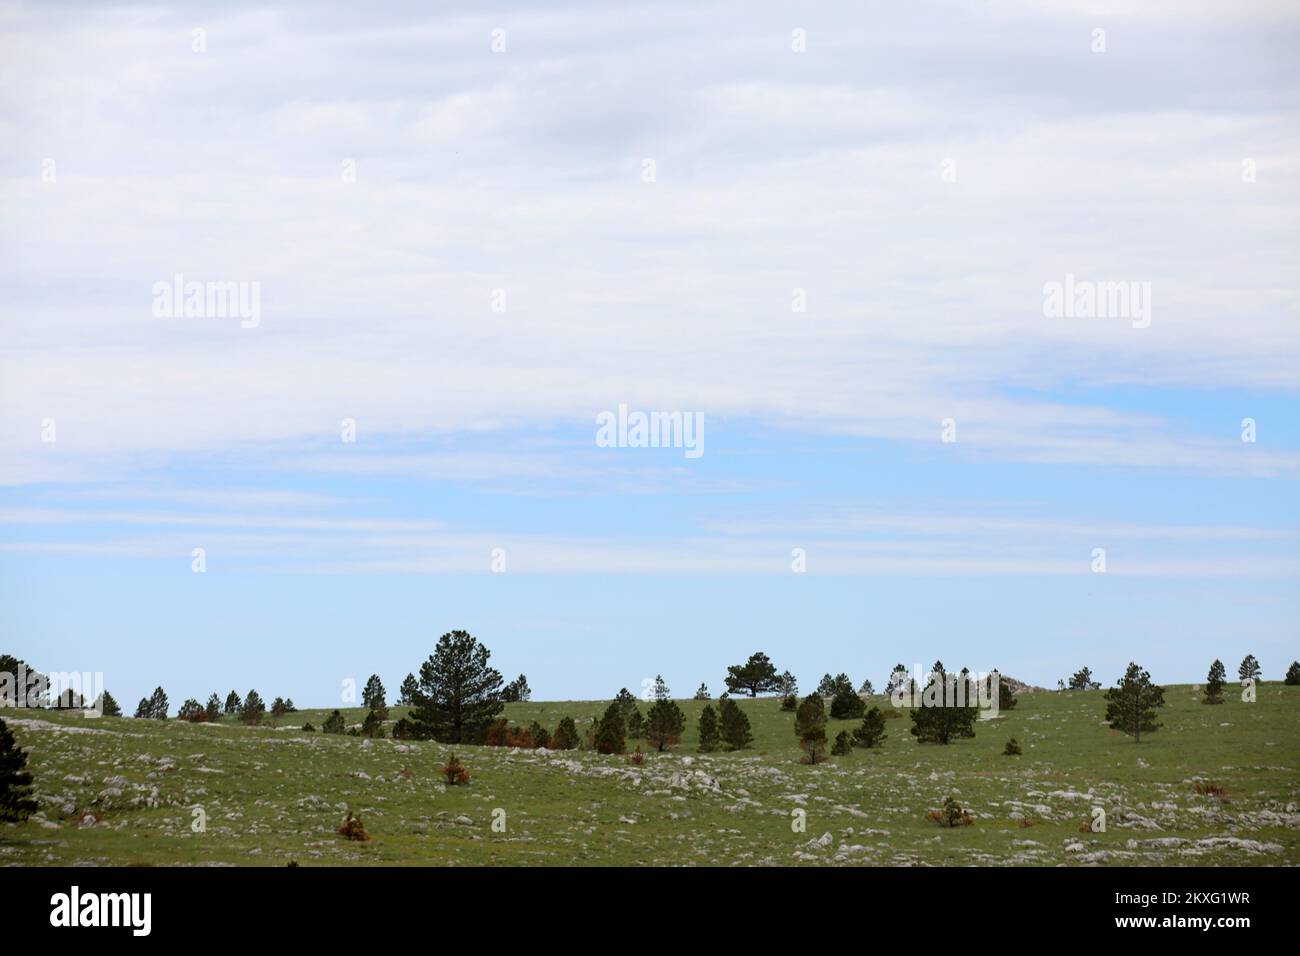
{"x":275,"y":794}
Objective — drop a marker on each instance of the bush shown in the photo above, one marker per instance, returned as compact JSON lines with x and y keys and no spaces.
{"x":1207,"y":789}
{"x":353,"y":828}
{"x":842,"y":744}
{"x":308,"y":728}
{"x":334,"y":724}
{"x":790,"y":702}
{"x":636,"y":757}
{"x":1012,"y":748}
{"x":455,"y":773}
{"x":952,"y":815}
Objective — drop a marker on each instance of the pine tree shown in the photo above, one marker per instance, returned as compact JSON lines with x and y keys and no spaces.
{"x":192,"y":711}
{"x":826,"y":687}
{"x":1214,"y":682}
{"x":702,"y":693}
{"x":846,"y":704}
{"x":786,"y":685}
{"x":109,"y":706}
{"x":1292,"y":674}
{"x":289,"y":707}
{"x":756,"y":676}
{"x":233,"y":703}
{"x":1131,"y":703}
{"x":1006,"y":696}
{"x":213,"y":709}
{"x":566,"y":735}
{"x":733,"y":725}
{"x":541,"y":736}
{"x":459,"y":692}
{"x":810,"y":727}
{"x":943,"y":716}
{"x":523,"y":692}
{"x":866,"y":689}
{"x":1082,"y":680}
{"x":334,"y":724}
{"x":1249,"y":669}
{"x":897,"y":679}
{"x":611,"y":732}
{"x":373,"y":724}
{"x":842,"y":745}
{"x":253,"y":709}
{"x":789,"y":702}
{"x":872,"y":731}
{"x":664,"y":723}
{"x":660,"y":689}
{"x":1012,"y":748}
{"x":406,"y":694}
{"x":373,"y":693}
{"x":142,"y":710}
{"x":158,"y":704}
{"x":279,"y":708}
{"x":632,"y":720}
{"x":710,"y":737}
{"x":16,"y":801}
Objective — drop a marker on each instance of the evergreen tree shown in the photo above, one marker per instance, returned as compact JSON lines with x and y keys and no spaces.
{"x":632,"y":721}
{"x":517,"y":690}
{"x":756,"y":676}
{"x":710,"y":737}
{"x":789,"y":702}
{"x":459,"y":692}
{"x":373,"y":693}
{"x":1214,"y":682}
{"x":611,"y":731}
{"x":289,"y":708}
{"x":1082,"y":680}
{"x":897,"y":678}
{"x":541,"y":736}
{"x":233,"y":703}
{"x":279,"y":708}
{"x":1249,"y":669}
{"x":16,"y":801}
{"x":665,"y":723}
{"x":213,"y":710}
{"x":1292,"y":674}
{"x":786,"y":685}
{"x":110,"y":706}
{"x":373,"y":724}
{"x":733,"y":725}
{"x":253,"y":709}
{"x":826,"y":687}
{"x":943,"y":716}
{"x":703,"y":692}
{"x":866,"y":689}
{"x":192,"y":711}
{"x":846,"y":704}
{"x":1006,"y":696}
{"x":143,"y":710}
{"x":842,"y":745}
{"x":810,"y":727}
{"x":1012,"y":749}
{"x":158,"y":704}
{"x":872,"y":731}
{"x":660,"y":689}
{"x":334,"y":724}
{"x":566,"y":735}
{"x":1131,"y":703}
{"x":406,"y":695}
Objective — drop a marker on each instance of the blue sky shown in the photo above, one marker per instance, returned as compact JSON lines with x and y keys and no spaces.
{"x":460,"y":251}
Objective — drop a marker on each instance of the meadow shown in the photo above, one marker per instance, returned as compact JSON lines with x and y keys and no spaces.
{"x":117,"y":791}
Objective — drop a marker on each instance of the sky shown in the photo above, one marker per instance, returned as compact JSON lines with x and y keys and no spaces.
{"x":827,"y":234}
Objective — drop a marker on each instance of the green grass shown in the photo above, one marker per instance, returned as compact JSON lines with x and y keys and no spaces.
{"x":274,"y":794}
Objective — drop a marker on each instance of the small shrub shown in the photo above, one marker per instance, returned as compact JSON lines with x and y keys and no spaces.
{"x":1207,"y":789}
{"x":353,"y":828}
{"x":789,"y":702}
{"x":636,"y":757}
{"x":842,"y":745}
{"x":455,"y":772}
{"x":308,"y":728}
{"x":1012,"y":748}
{"x":1026,"y":822}
{"x":952,"y":815}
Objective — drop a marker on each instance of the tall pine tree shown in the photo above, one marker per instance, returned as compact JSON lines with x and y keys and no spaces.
{"x":1131,"y":703}
{"x":710,"y":738}
{"x":458,"y":695}
{"x":1214,"y":682}
{"x":664,"y":724}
